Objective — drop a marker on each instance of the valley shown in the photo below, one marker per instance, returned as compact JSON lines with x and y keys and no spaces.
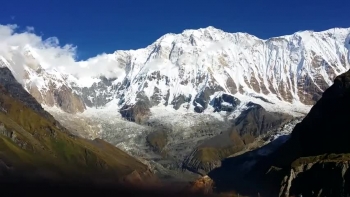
{"x":202,"y":102}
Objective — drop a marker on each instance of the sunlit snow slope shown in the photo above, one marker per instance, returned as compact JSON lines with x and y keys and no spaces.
{"x":188,"y":71}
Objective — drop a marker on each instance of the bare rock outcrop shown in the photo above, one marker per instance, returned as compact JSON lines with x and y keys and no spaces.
{"x":315,"y":160}
{"x":251,"y":124}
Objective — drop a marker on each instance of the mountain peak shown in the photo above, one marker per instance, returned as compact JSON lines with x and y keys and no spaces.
{"x":209,"y":28}
{"x":206,"y":61}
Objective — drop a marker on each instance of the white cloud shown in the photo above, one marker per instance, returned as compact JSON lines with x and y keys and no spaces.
{"x":30,"y":29}
{"x":51,"y":54}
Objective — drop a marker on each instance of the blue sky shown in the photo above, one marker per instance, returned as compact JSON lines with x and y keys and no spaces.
{"x":97,"y":26}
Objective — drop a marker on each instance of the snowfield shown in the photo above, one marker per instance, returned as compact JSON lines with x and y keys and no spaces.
{"x":187,"y":80}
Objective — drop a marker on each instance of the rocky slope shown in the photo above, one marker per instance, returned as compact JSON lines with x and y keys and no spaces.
{"x":34,"y":146}
{"x":327,"y":155}
{"x":314,"y":161}
{"x":251,"y":124}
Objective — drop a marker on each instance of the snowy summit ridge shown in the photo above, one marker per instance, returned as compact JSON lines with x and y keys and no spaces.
{"x":188,"y":71}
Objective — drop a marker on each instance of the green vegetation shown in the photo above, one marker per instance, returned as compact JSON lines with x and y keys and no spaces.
{"x":40,"y":142}
{"x":210,"y":154}
{"x":216,"y":153}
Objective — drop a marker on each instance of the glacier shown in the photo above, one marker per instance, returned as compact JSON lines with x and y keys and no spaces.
{"x":178,"y":78}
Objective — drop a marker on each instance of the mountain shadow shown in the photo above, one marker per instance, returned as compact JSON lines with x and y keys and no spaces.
{"x":314,"y":161}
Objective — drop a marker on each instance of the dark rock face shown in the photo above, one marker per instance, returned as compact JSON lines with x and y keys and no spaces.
{"x":178,"y":101}
{"x":313,"y":93}
{"x":63,"y":96}
{"x":323,"y":131}
{"x":138,"y":112}
{"x":310,"y":90}
{"x":15,"y":89}
{"x":68,"y":101}
{"x":202,"y":100}
{"x":99,"y":94}
{"x":328,"y":115}
{"x":252,"y":123}
{"x":225,"y":102}
{"x":232,"y":174}
{"x":156,"y":98}
{"x":315,"y":160}
{"x":323,"y":178}
{"x":257,"y":121}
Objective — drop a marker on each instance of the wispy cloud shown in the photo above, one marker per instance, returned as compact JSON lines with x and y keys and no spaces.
{"x":30,"y":29}
{"x":51,"y":54}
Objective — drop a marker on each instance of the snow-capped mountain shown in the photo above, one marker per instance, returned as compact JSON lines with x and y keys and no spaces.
{"x":187,"y":71}
{"x":188,"y":86}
